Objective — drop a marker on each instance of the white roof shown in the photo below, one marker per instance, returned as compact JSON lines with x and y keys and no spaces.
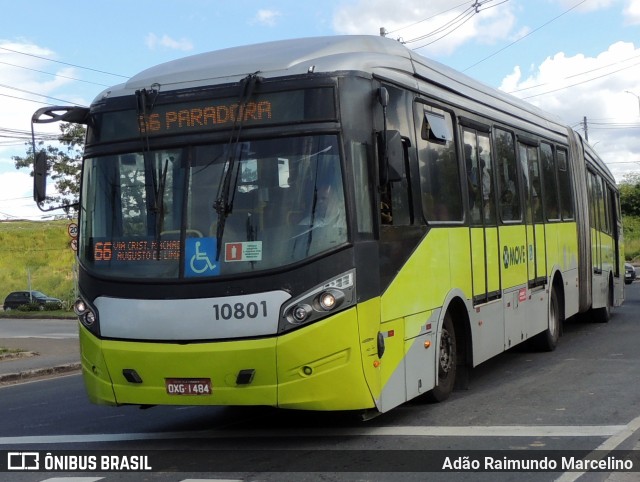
{"x":374,"y":54}
{"x":278,"y":58}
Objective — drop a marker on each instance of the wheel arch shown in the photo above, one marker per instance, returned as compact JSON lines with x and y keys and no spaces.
{"x":455,"y":304}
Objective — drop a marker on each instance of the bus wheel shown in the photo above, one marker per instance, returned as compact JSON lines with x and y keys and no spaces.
{"x":548,"y":339}
{"x":446,"y":362}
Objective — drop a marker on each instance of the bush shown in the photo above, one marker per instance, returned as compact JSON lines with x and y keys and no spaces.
{"x":52,"y":306}
{"x":631,"y":230}
{"x":31,"y":307}
{"x":632,"y":250}
{"x":39,"y":307}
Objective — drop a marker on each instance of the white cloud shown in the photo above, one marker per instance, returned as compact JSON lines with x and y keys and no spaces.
{"x":266,"y":17}
{"x":154,"y":41}
{"x":433,"y":21}
{"x":595,"y":87}
{"x":632,"y":12}
{"x":16,"y":196}
{"x":24,"y":74}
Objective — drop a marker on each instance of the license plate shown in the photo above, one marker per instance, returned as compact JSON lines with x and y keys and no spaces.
{"x":188,"y":386}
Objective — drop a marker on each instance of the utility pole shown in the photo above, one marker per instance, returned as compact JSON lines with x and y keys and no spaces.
{"x":586,"y":131}
{"x":637,"y":96}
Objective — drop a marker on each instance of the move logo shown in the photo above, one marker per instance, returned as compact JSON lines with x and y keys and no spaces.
{"x":513,"y":255}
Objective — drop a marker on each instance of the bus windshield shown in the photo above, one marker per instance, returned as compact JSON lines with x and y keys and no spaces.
{"x":212,"y":210}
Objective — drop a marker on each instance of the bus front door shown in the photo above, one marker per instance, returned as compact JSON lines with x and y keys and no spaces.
{"x":485,"y":255}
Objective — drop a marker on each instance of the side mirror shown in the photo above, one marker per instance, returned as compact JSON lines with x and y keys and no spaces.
{"x":40,"y":177}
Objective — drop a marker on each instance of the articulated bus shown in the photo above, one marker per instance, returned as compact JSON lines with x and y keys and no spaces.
{"x":329,"y":223}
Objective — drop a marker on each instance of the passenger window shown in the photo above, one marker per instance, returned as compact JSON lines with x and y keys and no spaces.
{"x":508,"y":185}
{"x":564,"y":182}
{"x":434,"y":127}
{"x":551,"y":203}
{"x":438,"y":165}
{"x":531,"y":182}
{"x":479,"y":176}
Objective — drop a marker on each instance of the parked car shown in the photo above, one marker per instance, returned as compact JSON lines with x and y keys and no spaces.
{"x":629,"y":273}
{"x":19,"y":298}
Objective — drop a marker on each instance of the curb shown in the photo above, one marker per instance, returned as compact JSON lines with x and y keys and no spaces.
{"x":39,"y":372}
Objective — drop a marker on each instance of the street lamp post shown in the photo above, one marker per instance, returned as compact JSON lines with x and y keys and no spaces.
{"x":637,"y":96}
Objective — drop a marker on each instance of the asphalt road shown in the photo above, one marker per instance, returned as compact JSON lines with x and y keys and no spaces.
{"x":38,"y":328}
{"x":584,"y":397}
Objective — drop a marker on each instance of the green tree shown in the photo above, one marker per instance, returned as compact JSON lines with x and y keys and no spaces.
{"x":64,"y":162}
{"x":630,"y":195}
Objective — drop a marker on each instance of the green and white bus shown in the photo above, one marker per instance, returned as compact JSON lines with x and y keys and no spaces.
{"x":330,"y":223}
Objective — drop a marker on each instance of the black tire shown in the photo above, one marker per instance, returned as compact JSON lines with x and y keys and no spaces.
{"x":447,"y":361}
{"x":548,"y":339}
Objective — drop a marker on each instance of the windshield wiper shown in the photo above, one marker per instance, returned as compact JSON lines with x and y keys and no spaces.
{"x":224,"y":200}
{"x":159,"y":204}
{"x":146,"y":100}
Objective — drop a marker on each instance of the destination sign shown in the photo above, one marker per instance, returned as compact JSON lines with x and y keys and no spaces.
{"x":118,"y":251}
{"x":192,"y":116}
{"x":205,"y":116}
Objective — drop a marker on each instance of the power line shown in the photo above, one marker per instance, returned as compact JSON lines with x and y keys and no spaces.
{"x":448,"y":28}
{"x":39,"y":95}
{"x":428,"y":18}
{"x":64,"y":63}
{"x":55,"y":75}
{"x":582,"y":82}
{"x":580,"y":73}
{"x":25,"y":99}
{"x":456,"y":23}
{"x":525,"y":36}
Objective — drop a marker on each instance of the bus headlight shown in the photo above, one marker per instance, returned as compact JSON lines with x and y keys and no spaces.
{"x":299,"y":313}
{"x":85,"y":313}
{"x":79,"y":307}
{"x":330,"y":299}
{"x":319,"y":302}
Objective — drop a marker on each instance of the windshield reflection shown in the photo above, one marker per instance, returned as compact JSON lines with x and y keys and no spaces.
{"x":159,"y":215}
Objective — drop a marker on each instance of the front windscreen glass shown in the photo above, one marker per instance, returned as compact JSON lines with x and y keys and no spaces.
{"x":212,"y":210}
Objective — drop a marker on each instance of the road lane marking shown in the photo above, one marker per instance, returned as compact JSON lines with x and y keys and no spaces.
{"x":73,"y":479}
{"x":605,"y":447}
{"x":400,"y":431}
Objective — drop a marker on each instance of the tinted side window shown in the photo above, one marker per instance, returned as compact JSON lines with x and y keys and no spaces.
{"x":531,"y":182}
{"x":508,"y":184}
{"x":551,"y":203}
{"x":564,"y":182}
{"x":438,"y":164}
{"x":479,"y":176}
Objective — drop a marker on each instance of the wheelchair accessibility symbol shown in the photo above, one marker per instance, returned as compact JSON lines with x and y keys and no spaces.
{"x":200,"y":257}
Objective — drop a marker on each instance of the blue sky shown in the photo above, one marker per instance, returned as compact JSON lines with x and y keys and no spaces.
{"x":574,"y":58}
